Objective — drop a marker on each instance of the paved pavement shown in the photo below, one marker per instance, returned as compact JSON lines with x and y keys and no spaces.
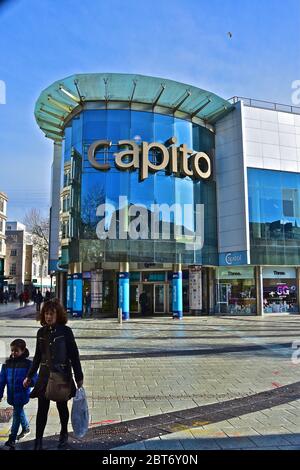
{"x":199,"y":383}
{"x":13,"y":310}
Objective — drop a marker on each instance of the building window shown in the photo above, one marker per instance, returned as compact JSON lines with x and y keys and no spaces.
{"x":67,"y":179}
{"x":13,"y":252}
{"x":1,"y":205}
{"x":66,"y":204}
{"x":1,"y":245}
{"x":13,"y":269}
{"x":65,"y":229}
{"x":34,"y":269}
{"x":1,"y":225}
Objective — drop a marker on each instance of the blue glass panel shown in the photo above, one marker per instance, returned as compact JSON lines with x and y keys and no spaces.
{"x":142,"y":126}
{"x":68,"y":143}
{"x":118,"y":125}
{"x":183,"y":132}
{"x":77,"y":133}
{"x":94,"y":125}
{"x":98,"y":187}
{"x":274,"y":216}
{"x":163,"y":128}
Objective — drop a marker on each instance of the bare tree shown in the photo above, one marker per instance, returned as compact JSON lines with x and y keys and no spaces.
{"x":37,"y":227}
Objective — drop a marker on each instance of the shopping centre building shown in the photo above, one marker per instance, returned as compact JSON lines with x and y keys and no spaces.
{"x":168,"y":199}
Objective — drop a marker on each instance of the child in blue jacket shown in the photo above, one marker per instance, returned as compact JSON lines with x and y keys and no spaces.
{"x":12,"y":375}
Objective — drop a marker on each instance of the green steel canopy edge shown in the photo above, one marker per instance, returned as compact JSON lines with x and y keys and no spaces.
{"x":67,"y":97}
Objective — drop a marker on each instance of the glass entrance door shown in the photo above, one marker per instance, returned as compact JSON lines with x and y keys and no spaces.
{"x":223,"y":296}
{"x":134,"y":298}
{"x":159,"y":298}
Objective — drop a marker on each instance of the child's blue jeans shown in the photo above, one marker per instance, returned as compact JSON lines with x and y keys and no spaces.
{"x":19,"y":417}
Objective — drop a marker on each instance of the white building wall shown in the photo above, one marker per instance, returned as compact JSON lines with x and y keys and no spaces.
{"x":271,"y":139}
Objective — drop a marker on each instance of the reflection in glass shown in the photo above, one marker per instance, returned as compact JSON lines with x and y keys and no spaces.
{"x":105,"y":187}
{"x":274,"y":216}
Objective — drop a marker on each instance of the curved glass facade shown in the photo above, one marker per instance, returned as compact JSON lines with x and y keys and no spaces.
{"x":98,"y":187}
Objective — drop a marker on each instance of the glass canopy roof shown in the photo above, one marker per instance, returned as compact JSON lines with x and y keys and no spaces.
{"x":66,"y":97}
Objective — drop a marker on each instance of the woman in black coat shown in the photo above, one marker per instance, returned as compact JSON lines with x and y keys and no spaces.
{"x":56,"y":351}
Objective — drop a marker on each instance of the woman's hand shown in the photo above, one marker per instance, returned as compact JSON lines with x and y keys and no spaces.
{"x":26,"y":382}
{"x":79,"y":384}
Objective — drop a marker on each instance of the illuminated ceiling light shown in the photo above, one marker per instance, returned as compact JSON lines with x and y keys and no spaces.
{"x":58,"y":104}
{"x":69,"y":94}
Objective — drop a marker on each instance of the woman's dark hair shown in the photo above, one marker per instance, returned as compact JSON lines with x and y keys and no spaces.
{"x":20,"y":344}
{"x":53,"y":306}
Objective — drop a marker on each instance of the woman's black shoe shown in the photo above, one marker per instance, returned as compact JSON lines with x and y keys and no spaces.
{"x":63,"y":440}
{"x":38,"y":444}
{"x":10,"y":444}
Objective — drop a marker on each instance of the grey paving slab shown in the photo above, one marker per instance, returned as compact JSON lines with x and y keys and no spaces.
{"x":188,"y":371}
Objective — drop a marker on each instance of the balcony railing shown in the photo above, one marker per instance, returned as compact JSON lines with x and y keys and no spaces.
{"x":286,"y":108}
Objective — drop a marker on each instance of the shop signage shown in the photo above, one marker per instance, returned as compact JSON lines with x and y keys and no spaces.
{"x":241,"y":273}
{"x":96,"y":288}
{"x":233,"y":258}
{"x":195,"y":287}
{"x":276,"y":272}
{"x":180,"y":161}
{"x":77,"y":294}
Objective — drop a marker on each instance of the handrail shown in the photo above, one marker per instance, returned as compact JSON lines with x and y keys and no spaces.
{"x":286,"y":108}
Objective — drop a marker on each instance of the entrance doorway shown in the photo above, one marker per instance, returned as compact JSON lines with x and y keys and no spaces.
{"x":148,"y":290}
{"x":155,"y":298}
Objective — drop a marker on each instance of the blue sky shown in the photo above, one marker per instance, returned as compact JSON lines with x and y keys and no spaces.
{"x":42,"y":41}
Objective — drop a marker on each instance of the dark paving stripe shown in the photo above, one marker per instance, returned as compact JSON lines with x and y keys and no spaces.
{"x":182,"y":352}
{"x":114,"y":435}
{"x":162,"y":353}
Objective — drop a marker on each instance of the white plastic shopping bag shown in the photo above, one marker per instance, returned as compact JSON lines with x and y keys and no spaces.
{"x":80,"y":413}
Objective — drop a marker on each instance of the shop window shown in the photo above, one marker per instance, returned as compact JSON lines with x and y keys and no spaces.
{"x":280,"y":290}
{"x":235,"y":291}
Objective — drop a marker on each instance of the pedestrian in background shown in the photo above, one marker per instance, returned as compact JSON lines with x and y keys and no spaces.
{"x":21,"y":299}
{"x":6,"y":297}
{"x":47,"y":295}
{"x":88,"y":302}
{"x":12,"y":375}
{"x":26,"y":297}
{"x":39,"y":300}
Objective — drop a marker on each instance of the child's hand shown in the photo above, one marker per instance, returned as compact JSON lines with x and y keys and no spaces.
{"x":26,"y":383}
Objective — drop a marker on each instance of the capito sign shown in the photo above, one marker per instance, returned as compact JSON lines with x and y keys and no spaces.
{"x":181,"y":161}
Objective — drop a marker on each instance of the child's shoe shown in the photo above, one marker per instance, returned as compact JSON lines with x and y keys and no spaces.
{"x":23,"y":433}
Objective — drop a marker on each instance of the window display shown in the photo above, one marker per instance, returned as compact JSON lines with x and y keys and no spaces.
{"x":235,"y":291}
{"x":280,"y":290}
